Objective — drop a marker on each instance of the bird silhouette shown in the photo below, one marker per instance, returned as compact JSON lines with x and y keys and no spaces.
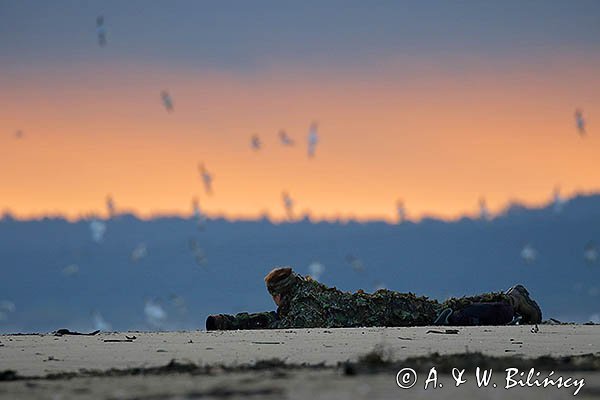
{"x":580,"y":122}
{"x":101,"y":31}
{"x":167,"y":101}
{"x":285,"y":139}
{"x":313,"y":139}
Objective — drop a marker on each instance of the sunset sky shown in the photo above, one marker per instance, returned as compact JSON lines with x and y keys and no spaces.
{"x":435,"y":103}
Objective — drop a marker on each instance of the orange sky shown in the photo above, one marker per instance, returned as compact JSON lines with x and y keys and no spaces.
{"x":439,"y":137}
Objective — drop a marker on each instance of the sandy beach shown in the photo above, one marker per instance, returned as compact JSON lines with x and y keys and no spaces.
{"x":291,"y":364}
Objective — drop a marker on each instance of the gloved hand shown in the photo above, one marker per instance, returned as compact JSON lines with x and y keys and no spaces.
{"x":224,"y":322}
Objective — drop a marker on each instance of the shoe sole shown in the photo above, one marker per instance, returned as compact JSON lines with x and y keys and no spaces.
{"x":530,"y":302}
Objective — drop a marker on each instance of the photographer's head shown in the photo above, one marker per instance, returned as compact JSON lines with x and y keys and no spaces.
{"x":280,"y":282}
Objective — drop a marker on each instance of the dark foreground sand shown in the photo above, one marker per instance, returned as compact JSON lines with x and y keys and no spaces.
{"x":303,"y":364}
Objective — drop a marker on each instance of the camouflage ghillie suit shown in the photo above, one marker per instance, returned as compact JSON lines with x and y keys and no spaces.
{"x":311,"y":304}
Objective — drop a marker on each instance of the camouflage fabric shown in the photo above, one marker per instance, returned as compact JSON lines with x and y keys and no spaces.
{"x":311,"y":304}
{"x":244,"y":320}
{"x":457,"y":304}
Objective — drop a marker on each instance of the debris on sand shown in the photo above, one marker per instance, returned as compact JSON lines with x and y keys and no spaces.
{"x":63,"y":332}
{"x":8,"y":375}
{"x":267,"y":343}
{"x":444,"y":332}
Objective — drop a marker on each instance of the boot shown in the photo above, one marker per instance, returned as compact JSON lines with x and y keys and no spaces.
{"x":524,"y":305}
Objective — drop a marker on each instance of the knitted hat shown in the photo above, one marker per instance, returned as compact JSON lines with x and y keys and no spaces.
{"x":280,"y":280}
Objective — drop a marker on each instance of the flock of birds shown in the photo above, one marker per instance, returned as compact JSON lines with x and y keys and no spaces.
{"x":155,"y":312}
{"x":529,"y":254}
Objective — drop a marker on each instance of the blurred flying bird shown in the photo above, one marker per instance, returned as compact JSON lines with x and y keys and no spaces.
{"x":193,"y":244}
{"x":206,"y":178}
{"x":355,"y":263}
{"x":140,"y":251}
{"x":558,"y":201}
{"x":198,"y":215}
{"x":529,"y":254}
{"x":155,"y":314}
{"x":98,"y":229}
{"x":285,"y":139}
{"x":6,"y":307}
{"x":100,"y":323}
{"x":315,"y":269}
{"x":19,"y":134}
{"x":288,"y":204}
{"x":313,"y":139}
{"x":590,"y":253}
{"x":198,"y":252}
{"x":580,"y":122}
{"x":400,"y":211}
{"x":178,"y":302}
{"x":101,"y":31}
{"x":255,"y":142}
{"x":167,"y":100}
{"x":200,"y":257}
{"x":110,"y":207}
{"x":70,"y":270}
{"x":484,"y":212}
